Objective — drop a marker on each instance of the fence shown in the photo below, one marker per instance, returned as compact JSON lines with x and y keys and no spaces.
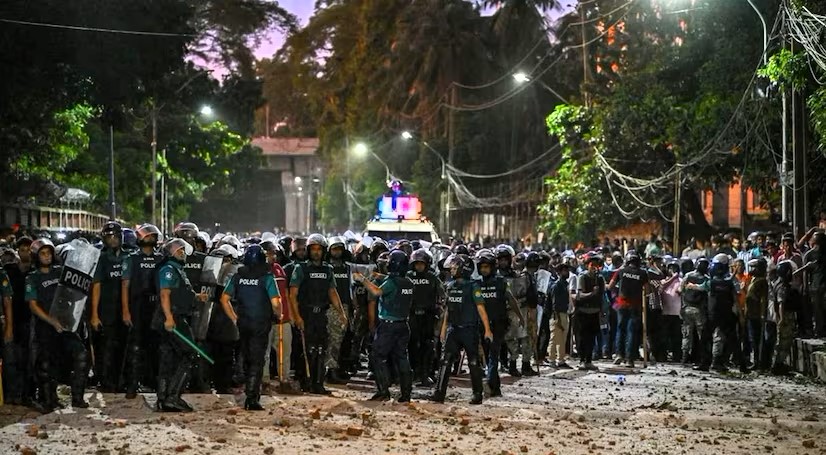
{"x":50,"y":218}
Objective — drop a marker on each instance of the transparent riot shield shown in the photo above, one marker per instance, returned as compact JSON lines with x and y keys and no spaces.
{"x":75,"y":285}
{"x":210,"y":273}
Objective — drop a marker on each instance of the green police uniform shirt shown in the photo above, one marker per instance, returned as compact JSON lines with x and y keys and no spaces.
{"x":169,"y":277}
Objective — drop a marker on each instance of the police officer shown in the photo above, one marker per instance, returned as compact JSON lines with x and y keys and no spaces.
{"x":757,"y":297}
{"x":139,"y":298}
{"x":631,"y":281}
{"x":177,"y":301}
{"x":361,"y":327}
{"x":18,"y":374}
{"x":786,"y":302}
{"x":192,"y":267}
{"x":130,"y":241}
{"x":460,"y":326}
{"x":312,"y":290}
{"x":107,"y":319}
{"x":427,"y":293}
{"x":523,"y":287}
{"x":55,"y":342}
{"x":258,"y":300}
{"x":499,"y":302}
{"x":388,"y":320}
{"x":695,"y":310}
{"x":722,"y":315}
{"x":341,"y":271}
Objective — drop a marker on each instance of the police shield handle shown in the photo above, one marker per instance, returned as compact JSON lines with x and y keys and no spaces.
{"x":644,"y":331}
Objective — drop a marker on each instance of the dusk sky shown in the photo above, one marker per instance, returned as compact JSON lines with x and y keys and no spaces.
{"x":303,"y":9}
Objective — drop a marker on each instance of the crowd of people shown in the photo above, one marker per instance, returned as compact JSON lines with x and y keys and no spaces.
{"x":282,"y":314}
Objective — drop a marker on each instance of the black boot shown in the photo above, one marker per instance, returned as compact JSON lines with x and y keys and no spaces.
{"x":382,"y":375}
{"x":405,"y":382}
{"x":442,"y":381}
{"x":512,"y":370}
{"x":78,"y":401}
{"x":173,"y":401}
{"x":80,"y":375}
{"x":253,"y":392}
{"x":132,"y":371}
{"x":335,"y":376}
{"x":527,"y":370}
{"x":50,"y":401}
{"x":318,"y":370}
{"x":476,"y":383}
{"x":161,"y":391}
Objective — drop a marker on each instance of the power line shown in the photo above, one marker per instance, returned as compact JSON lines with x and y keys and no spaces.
{"x":95,"y":29}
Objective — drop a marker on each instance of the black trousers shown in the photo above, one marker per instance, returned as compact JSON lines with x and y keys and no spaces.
{"x":422,"y":346}
{"x":109,"y":343}
{"x":498,"y":328}
{"x":587,"y":328}
{"x":61,"y":355}
{"x":390,"y":344}
{"x":176,"y":358}
{"x":254,"y":340}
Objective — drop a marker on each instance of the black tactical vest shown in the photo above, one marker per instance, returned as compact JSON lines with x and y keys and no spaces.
{"x":461,"y":307}
{"x":315,"y":288}
{"x":425,"y":291}
{"x":494,"y":291}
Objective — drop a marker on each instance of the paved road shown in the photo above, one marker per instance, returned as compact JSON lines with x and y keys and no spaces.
{"x":664,"y":409}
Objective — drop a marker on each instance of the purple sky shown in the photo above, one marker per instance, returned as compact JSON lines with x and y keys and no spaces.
{"x":303,"y":9}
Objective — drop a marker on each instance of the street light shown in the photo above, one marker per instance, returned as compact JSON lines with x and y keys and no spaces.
{"x":522,"y":78}
{"x":206,"y":110}
{"x":406,"y":135}
{"x":360,"y":149}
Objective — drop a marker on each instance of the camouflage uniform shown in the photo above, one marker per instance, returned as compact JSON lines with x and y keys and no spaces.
{"x":336,"y":336}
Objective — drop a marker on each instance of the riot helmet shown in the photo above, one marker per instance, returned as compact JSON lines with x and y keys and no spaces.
{"x":178,"y":249}
{"x":43,"y":245}
{"x":112,"y":235}
{"x":459,"y":265}
{"x":533,"y":260}
{"x":186,"y":231}
{"x":397,"y":262}
{"x":254,"y":256}
{"x":485,"y":257}
{"x":130,"y":239}
{"x":203,"y":242}
{"x":758,"y":267}
{"x":316,"y":246}
{"x":720,"y":265}
{"x":148,"y":235}
{"x":701,"y":265}
{"x":379,"y":246}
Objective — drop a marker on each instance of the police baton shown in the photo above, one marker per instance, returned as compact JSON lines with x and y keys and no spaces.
{"x":304,"y":348}
{"x":194,"y":346}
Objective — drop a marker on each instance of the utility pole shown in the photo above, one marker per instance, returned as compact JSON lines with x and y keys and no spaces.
{"x":112,"y":211}
{"x":586,"y":97}
{"x":347,"y":182}
{"x":677,"y":204}
{"x":154,"y":144}
{"x":451,"y":138}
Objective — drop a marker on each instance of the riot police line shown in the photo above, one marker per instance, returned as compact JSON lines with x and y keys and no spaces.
{"x":141,"y":314}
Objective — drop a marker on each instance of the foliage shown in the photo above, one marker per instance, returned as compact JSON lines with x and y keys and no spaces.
{"x":577,"y":202}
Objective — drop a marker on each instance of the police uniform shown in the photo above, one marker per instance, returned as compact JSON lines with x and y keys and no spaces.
{"x":427,"y":291}
{"x":392,"y":335}
{"x":139,"y":270}
{"x":694,"y":313}
{"x":55,"y":348}
{"x":722,"y":321}
{"x":494,"y":291}
{"x":360,"y":325}
{"x":463,"y":296}
{"x":253,"y":292}
{"x":786,"y":301}
{"x":109,"y":342}
{"x":630,"y":280}
{"x":176,"y":357}
{"x":333,"y":359}
{"x":314,"y":282}
{"x":200,"y":318}
{"x":519,"y":337}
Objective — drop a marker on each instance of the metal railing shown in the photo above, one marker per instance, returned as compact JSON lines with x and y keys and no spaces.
{"x":50,"y":218}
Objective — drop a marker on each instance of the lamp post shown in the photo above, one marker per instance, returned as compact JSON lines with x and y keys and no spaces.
{"x":521,"y":78}
{"x":444,"y":217}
